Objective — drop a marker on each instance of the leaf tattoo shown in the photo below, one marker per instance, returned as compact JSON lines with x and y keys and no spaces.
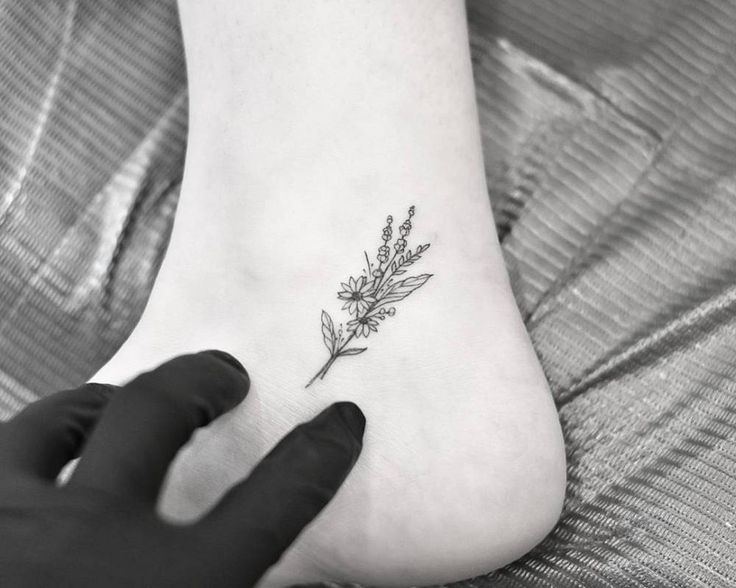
{"x":366,"y":297}
{"x":328,"y":332}
{"x":402,"y":289}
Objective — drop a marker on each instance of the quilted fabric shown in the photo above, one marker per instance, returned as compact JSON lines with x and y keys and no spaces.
{"x":609,"y":130}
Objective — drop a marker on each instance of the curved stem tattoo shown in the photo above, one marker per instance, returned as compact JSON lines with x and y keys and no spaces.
{"x":366,"y":298}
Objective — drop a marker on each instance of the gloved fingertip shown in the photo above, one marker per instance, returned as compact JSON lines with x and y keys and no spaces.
{"x":225,"y":357}
{"x":104,"y":391}
{"x":353,"y":418}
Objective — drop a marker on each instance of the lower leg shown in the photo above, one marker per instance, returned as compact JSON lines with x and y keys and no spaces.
{"x":310,"y":122}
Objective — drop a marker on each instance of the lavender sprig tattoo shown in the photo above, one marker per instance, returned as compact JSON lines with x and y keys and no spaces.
{"x":369,"y":297}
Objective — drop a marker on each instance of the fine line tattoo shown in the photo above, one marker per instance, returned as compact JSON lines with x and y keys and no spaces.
{"x":366,"y":298}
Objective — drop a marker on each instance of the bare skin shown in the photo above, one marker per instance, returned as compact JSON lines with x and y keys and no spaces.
{"x":310,"y":122}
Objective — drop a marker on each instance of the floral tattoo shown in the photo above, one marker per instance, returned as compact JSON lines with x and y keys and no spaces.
{"x":368,"y":298}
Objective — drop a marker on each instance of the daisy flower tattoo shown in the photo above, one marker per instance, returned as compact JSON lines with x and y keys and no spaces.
{"x":357,"y":294}
{"x":369,"y":298}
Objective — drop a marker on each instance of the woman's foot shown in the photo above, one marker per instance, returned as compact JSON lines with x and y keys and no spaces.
{"x":297,"y":155}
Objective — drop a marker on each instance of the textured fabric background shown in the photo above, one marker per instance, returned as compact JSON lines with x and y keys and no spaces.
{"x":610,"y":137}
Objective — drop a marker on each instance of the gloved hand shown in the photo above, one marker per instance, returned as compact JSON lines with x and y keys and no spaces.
{"x":101,"y":529}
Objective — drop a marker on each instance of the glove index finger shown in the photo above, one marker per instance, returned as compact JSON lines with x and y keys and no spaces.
{"x":152,"y":416}
{"x":256,"y":520}
{"x":48,"y":433}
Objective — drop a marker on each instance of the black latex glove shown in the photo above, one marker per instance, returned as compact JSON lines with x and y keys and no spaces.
{"x":100,"y":529}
